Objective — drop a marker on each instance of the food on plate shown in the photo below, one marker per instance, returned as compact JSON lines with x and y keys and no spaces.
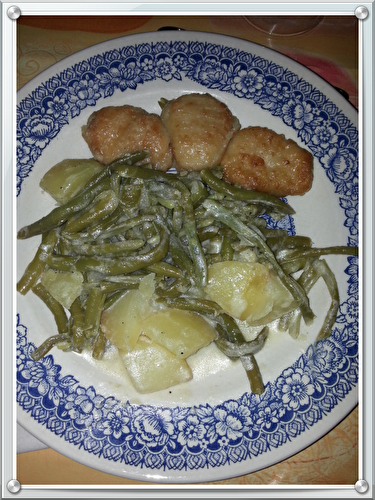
{"x":67,"y":178}
{"x":259,"y":158}
{"x":248,"y":291}
{"x":64,"y":286}
{"x":154,"y":342}
{"x":191,"y":250}
{"x":200,"y":127}
{"x":161,"y":265}
{"x":181,"y":332}
{"x":152,"y":367}
{"x":113,"y":131}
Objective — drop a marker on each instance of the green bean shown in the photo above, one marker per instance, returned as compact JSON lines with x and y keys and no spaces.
{"x":112,"y":298}
{"x":149,"y":230}
{"x":62,"y":213}
{"x":165,"y":269}
{"x":54,"y":306}
{"x":108,"y":287}
{"x":116,"y":184}
{"x":312,"y":272}
{"x":272,"y":203}
{"x":226,"y":326}
{"x":269,"y":232}
{"x":36,"y":267}
{"x":253,"y":373}
{"x":130,"y":197}
{"x":62,"y":262}
{"x":325,"y":272}
{"x":128,"y":159}
{"x":286,"y":255}
{"x":95,"y":230}
{"x":47,"y":345}
{"x":162,"y":102}
{"x":77,"y":317}
{"x":295,"y":265}
{"x":227,"y":251}
{"x":94,"y":307}
{"x":103,"y":204}
{"x":252,"y":236}
{"x":293,"y":260}
{"x":180,"y":257}
{"x":231,"y":328}
{"x":204,"y":306}
{"x":198,"y":192}
{"x":99,"y":344}
{"x":122,"y":227}
{"x":244,"y":348}
{"x":206,"y":233}
{"x":177,"y":220}
{"x":286,"y":242}
{"x":196,"y":250}
{"x":171,"y":290}
{"x":112,"y":267}
{"x":291,"y":322}
{"x":107,"y":249}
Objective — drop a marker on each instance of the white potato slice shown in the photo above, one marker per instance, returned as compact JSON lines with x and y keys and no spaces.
{"x":64,"y":286}
{"x":152,"y":367}
{"x":249,"y":291}
{"x":121,"y":323}
{"x":181,"y":332}
{"x":67,"y":178}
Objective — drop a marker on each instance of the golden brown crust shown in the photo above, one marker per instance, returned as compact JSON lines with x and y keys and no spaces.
{"x":260,"y":159}
{"x":200,"y":127}
{"x":115,"y":130}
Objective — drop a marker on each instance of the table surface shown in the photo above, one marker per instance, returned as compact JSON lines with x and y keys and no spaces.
{"x":45,"y":40}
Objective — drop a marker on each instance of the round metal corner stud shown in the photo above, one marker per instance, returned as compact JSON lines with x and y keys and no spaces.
{"x":361,"y":486}
{"x":13,"y":486}
{"x":361,"y":12}
{"x":14,"y":12}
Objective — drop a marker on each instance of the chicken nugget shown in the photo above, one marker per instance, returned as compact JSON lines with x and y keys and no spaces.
{"x":115,"y":130}
{"x":200,"y":127}
{"x":260,"y":159}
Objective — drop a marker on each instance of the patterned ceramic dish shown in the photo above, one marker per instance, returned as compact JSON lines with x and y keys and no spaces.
{"x":212,"y":427}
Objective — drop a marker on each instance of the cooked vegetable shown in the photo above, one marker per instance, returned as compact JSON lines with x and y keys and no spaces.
{"x":160,"y":265}
{"x":254,"y":237}
{"x":64,"y":286}
{"x":35,"y":269}
{"x":248,"y":291}
{"x":121,"y":323}
{"x":181,"y":332}
{"x":68,"y":177}
{"x":56,"y":308}
{"x":152,"y":367}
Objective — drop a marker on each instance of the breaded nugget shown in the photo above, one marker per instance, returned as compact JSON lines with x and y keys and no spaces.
{"x":200,"y":127}
{"x":115,"y":130}
{"x":260,"y":159}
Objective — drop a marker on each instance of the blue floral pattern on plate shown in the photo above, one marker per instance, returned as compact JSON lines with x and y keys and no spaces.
{"x":203,"y":436}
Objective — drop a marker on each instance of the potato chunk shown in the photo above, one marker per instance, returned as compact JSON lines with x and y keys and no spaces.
{"x":121,"y":323}
{"x":181,"y":332}
{"x":152,"y":367}
{"x":67,"y":178}
{"x":249,"y":291}
{"x":64,"y":286}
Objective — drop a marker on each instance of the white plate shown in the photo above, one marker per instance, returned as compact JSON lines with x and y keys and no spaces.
{"x":212,"y":427}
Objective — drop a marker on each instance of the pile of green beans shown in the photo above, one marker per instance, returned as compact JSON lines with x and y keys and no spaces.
{"x":130,"y":220}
